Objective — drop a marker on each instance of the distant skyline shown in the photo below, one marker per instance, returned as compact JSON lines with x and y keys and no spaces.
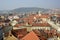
{"x":12,"y":4}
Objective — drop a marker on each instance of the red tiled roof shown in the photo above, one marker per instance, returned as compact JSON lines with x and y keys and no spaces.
{"x":37,"y":16}
{"x":30,"y":36}
{"x":41,"y":24}
{"x":34,"y":24}
{"x":58,"y":34}
{"x":58,"y":16}
{"x":1,"y":23}
{"x":30,"y":20}
{"x":44,"y":16}
{"x":17,"y":25}
{"x":20,"y":33}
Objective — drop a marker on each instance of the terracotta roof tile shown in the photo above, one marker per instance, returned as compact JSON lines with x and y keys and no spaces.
{"x":18,"y":25}
{"x":36,"y":15}
{"x":30,"y":36}
{"x":41,"y":24}
{"x":20,"y":33}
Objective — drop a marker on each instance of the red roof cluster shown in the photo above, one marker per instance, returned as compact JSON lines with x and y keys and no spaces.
{"x":30,"y":36}
{"x":30,"y":20}
{"x":39,"y":34}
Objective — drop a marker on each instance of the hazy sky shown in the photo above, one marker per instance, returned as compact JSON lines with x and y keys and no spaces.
{"x":12,"y":4}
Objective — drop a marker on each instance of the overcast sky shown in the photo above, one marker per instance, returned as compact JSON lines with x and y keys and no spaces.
{"x":12,"y":4}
